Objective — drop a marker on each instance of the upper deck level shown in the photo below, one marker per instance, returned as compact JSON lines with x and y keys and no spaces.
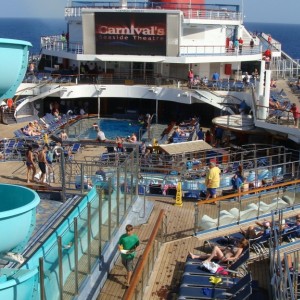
{"x":202,"y":13}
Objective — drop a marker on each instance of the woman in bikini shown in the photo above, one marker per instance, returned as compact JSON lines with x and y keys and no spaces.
{"x":227,"y":254}
{"x":30,"y":164}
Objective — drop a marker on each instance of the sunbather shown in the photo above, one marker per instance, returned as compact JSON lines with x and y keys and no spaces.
{"x":253,"y":232}
{"x":226,"y":254}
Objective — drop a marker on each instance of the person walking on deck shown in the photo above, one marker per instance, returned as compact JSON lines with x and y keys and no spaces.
{"x":296,"y":114}
{"x":212,"y":181}
{"x":43,"y":163}
{"x":30,"y":164}
{"x":128,"y":243}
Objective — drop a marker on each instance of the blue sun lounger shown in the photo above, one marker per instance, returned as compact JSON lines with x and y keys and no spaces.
{"x":239,"y":291}
{"x":195,"y":266}
{"x":200,"y":280}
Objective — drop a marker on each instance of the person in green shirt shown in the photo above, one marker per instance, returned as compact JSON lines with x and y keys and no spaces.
{"x":128,"y":243}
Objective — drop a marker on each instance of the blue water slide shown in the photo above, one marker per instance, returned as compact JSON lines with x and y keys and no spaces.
{"x":17,"y":216}
{"x":17,"y":221}
{"x":18,"y":284}
{"x":13,"y":65}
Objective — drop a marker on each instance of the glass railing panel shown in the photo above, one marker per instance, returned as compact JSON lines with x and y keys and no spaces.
{"x":83,"y":242}
{"x":68,"y":262}
{"x":51,"y":273}
{"x":94,"y":229}
{"x":121,"y":190}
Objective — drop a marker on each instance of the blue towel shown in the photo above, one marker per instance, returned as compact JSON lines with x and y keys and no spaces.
{"x":207,"y":292}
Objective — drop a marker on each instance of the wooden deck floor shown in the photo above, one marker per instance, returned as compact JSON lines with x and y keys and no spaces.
{"x":165,"y":279}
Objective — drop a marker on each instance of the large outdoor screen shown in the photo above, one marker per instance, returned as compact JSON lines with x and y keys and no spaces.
{"x":130,"y":33}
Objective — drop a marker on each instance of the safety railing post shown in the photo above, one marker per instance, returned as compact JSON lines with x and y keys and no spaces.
{"x":60,"y":268}
{"x":76,"y":255}
{"x":89,"y":230}
{"x":118,"y":195}
{"x":196,"y":218}
{"x":100,"y":193}
{"x":109,"y":208}
{"x":41,"y":276}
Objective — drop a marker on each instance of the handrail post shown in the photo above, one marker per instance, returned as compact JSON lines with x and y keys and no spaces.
{"x":76,"y":254}
{"x":81,"y":178}
{"x":118,"y":195}
{"x":60,"y":268}
{"x":219,"y":209}
{"x":42,"y":280}
{"x":196,"y":218}
{"x":125,"y":186}
{"x":89,"y":230}
{"x":100,"y":191}
{"x":109,"y":208}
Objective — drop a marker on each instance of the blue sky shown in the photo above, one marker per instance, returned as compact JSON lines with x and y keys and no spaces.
{"x":269,"y":11}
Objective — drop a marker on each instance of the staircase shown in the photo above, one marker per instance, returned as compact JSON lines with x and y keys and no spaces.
{"x":7,"y":117}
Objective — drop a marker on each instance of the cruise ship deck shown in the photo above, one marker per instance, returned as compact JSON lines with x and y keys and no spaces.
{"x":179,"y":238}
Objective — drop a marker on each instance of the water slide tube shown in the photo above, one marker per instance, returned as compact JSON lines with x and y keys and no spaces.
{"x":13,"y":65}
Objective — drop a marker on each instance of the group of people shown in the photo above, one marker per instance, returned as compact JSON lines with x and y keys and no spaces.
{"x":215,"y":136}
{"x":277,"y":108}
{"x":195,"y":80}
{"x":232,"y":253}
{"x":44,"y":158}
{"x":33,"y":129}
{"x":237,"y":45}
{"x":212,"y":180}
{"x":42,"y":163}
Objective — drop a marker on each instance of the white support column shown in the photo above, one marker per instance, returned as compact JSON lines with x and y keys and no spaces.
{"x":261,"y":79}
{"x":264,"y":109}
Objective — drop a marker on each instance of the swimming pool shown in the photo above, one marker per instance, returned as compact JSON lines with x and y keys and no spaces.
{"x":84,"y":129}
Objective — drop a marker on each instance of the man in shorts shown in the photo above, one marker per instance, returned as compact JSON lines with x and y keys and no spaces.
{"x":42,"y":161}
{"x":127,"y":245}
{"x":212,"y":181}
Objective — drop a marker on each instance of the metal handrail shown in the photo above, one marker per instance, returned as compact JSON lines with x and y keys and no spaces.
{"x":251,"y":191}
{"x":129,"y":294}
{"x":199,"y":11}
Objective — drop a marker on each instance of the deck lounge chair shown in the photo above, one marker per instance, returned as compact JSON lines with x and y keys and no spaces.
{"x":250,"y":213}
{"x":194,"y":266}
{"x":203,"y":281}
{"x":207,"y":222}
{"x":10,"y":144}
{"x":75,"y":148}
{"x":200,"y":292}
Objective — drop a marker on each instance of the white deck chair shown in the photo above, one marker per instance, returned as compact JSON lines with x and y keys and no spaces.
{"x":207,"y":222}
{"x":226,"y":218}
{"x":278,"y":203}
{"x":244,"y":214}
{"x":256,"y":207}
{"x":266,"y":208}
{"x":289,"y":200}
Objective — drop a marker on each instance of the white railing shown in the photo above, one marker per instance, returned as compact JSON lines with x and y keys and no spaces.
{"x":212,"y":14}
{"x":55,"y":43}
{"x":218,"y":50}
{"x":189,"y":13}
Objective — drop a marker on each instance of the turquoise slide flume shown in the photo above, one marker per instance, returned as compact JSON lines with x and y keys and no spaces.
{"x":13,"y":65}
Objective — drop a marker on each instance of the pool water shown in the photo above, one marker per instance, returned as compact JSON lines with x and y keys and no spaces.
{"x":112,"y":128}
